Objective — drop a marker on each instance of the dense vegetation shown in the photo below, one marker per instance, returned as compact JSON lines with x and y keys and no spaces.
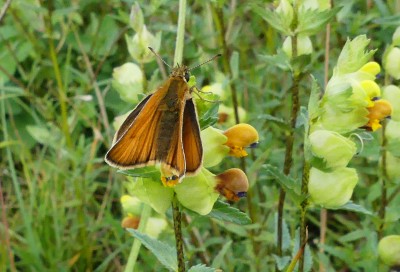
{"x":64,"y":78}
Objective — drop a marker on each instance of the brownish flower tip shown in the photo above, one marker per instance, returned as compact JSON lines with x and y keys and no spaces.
{"x":130,"y":222}
{"x":239,"y":137}
{"x":232,"y":184}
{"x":379,"y":111}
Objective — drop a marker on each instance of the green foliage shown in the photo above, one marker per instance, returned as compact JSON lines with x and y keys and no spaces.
{"x":224,"y":212}
{"x":58,"y":105}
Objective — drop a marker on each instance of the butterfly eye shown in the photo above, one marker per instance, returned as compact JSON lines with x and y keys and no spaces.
{"x":187,"y":76}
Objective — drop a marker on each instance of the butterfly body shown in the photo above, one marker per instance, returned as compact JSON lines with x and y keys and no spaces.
{"x":163,"y":128}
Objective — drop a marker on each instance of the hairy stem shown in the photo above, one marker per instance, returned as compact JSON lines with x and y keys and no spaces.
{"x":384,"y":200}
{"x":177,"y":216}
{"x":303,"y":211}
{"x":289,"y":146}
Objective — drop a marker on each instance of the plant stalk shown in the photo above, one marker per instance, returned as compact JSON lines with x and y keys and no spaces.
{"x":60,"y":86}
{"x":144,"y":216}
{"x":177,"y":216}
{"x":303,"y":211}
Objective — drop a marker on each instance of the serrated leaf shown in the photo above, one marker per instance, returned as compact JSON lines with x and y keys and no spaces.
{"x":207,"y":111}
{"x":143,"y":172}
{"x":274,"y":19}
{"x":164,"y":252}
{"x":269,"y":117}
{"x":220,"y":256}
{"x":313,"y":102}
{"x":279,"y":60}
{"x":350,"y":206}
{"x":311,"y":22}
{"x":281,"y":262}
{"x":224,"y":212}
{"x":290,"y":185}
{"x":201,"y":268}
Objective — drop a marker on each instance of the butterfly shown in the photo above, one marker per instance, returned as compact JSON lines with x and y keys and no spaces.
{"x":162,"y":129}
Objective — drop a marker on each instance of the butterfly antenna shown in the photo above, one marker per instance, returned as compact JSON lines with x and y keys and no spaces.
{"x":213,"y":58}
{"x":158,"y":56}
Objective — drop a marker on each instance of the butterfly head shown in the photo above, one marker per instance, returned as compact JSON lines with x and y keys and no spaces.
{"x":181,"y":71}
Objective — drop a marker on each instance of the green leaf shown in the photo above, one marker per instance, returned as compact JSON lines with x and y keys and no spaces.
{"x":279,"y":60}
{"x":224,"y":212}
{"x":151,"y":172}
{"x":164,"y":252}
{"x":312,"y":21}
{"x":201,"y":268}
{"x":350,"y":206}
{"x":207,"y":111}
{"x":219,"y":259}
{"x":313,"y":102}
{"x":281,"y":262}
{"x":290,"y":185}
{"x":276,"y":20}
{"x":386,"y":21}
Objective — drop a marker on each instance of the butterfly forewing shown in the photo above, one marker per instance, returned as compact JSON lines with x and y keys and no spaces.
{"x":191,"y":138}
{"x":153,"y":131}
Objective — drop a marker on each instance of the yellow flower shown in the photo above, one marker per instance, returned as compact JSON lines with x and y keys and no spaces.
{"x":232,"y":184}
{"x":241,"y":136}
{"x":380,"y":110}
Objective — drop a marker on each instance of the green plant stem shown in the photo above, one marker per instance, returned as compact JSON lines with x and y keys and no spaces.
{"x":177,"y":216}
{"x":180,"y":33}
{"x":60,"y":86}
{"x":384,"y":200}
{"x":144,"y":216}
{"x":303,"y":211}
{"x":218,"y":16}
{"x":289,"y":146}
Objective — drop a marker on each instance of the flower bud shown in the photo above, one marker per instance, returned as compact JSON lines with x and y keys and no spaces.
{"x":335,"y":150}
{"x":392,"y":93}
{"x":239,"y":137}
{"x":138,"y":45}
{"x":136,"y":20}
{"x":232,"y":184}
{"x":379,"y":111}
{"x":128,"y":81}
{"x":332,"y":189}
{"x":155,"y":226}
{"x":392,"y":62}
{"x":304,"y":46}
{"x":389,"y":250}
{"x":130,"y":222}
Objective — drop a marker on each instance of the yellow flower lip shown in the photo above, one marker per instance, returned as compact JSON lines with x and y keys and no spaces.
{"x":170,"y":181}
{"x":380,"y":110}
{"x":371,"y":67}
{"x":232,"y":184}
{"x":241,"y":136}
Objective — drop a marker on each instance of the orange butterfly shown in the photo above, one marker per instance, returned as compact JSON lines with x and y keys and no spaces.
{"x":163,"y":128}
